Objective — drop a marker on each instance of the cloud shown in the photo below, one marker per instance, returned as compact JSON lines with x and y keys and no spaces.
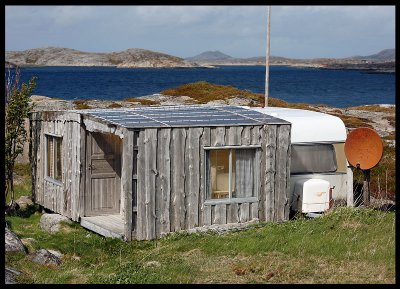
{"x":296,"y":31}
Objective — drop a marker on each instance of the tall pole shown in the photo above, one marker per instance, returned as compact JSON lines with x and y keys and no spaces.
{"x":267,"y":57}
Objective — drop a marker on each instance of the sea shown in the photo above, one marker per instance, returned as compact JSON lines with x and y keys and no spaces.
{"x":337,"y":88}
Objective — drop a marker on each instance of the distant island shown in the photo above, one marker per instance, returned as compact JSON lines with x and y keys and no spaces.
{"x":381,"y":62}
{"x":58,"y":56}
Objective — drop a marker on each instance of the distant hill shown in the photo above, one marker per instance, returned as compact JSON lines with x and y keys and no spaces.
{"x":209,"y":56}
{"x":57,"y":56}
{"x":384,"y":55}
{"x":219,"y":58}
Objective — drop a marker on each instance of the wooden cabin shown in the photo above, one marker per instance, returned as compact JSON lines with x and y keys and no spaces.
{"x":140,"y":173}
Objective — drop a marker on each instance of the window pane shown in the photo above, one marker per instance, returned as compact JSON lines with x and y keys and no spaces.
{"x":219,"y":173}
{"x":317,"y":158}
{"x":340,"y":158}
{"x":58,"y":170}
{"x":244,"y":173}
{"x":50,"y":156}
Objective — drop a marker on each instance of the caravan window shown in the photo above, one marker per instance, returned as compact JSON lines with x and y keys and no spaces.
{"x":231,"y":173}
{"x":314,"y":158}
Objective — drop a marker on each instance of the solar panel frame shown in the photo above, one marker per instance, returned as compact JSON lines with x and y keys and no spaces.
{"x":181,"y":116}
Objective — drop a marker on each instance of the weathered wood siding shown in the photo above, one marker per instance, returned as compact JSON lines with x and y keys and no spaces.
{"x":276,"y":147}
{"x":171,"y":178}
{"x":61,"y":198}
{"x":164,"y":191}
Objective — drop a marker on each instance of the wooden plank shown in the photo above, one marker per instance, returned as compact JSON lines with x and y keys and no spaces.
{"x":244,"y":212}
{"x":204,"y":141}
{"x":141,"y":184}
{"x":217,"y":136}
{"x":74,"y":168}
{"x":192,"y":180}
{"x":282,"y":175}
{"x":232,"y":213}
{"x":263,"y":157}
{"x":177,"y":206}
{"x":80,"y":195}
{"x":246,"y":137}
{"x":150,"y":179}
{"x":254,"y":211}
{"x":66,"y":205}
{"x":207,"y":215}
{"x":269,"y":187}
{"x":163,"y":182}
{"x":256,"y":135}
{"x":219,"y":214}
{"x":126,"y":182}
{"x":233,"y":136}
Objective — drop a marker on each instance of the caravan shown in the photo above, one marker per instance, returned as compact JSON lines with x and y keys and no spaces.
{"x":319,"y":171}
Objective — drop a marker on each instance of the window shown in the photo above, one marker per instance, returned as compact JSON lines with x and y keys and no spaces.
{"x":315,"y":158}
{"x":231,"y":173}
{"x":53,"y":157}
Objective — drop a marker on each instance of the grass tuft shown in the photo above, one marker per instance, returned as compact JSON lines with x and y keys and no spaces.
{"x":81,"y":104}
{"x":347,"y":245}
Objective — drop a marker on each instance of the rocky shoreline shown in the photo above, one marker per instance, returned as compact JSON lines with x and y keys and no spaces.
{"x":379,"y":120}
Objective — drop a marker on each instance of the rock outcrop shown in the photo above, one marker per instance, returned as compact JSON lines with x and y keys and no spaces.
{"x":12,"y":242}
{"x":45,"y":257}
{"x":10,"y":275}
{"x":57,"y":56}
{"x":51,"y":222}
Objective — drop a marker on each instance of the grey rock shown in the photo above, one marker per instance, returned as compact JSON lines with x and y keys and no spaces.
{"x":12,"y":242}
{"x":152,"y":264}
{"x":51,"y":222}
{"x":45,"y":257}
{"x":10,"y":275}
{"x":24,"y":202}
{"x":56,"y":253}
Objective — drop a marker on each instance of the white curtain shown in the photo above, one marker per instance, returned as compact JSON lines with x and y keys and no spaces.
{"x":244,"y":173}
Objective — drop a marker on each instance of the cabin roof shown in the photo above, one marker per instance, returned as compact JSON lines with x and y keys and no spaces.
{"x":308,"y":126}
{"x":181,"y":116}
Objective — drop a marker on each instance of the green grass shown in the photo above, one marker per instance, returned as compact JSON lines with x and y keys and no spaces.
{"x":22,"y":181}
{"x":383,"y":175}
{"x":346,"y":246}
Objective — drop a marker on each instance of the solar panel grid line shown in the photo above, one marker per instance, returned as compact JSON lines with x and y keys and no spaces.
{"x":180,"y":115}
{"x":242,"y":115}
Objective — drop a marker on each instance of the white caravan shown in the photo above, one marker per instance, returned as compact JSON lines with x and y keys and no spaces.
{"x":319,"y":170}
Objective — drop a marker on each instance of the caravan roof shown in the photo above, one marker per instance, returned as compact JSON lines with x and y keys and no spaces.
{"x":308,"y":126}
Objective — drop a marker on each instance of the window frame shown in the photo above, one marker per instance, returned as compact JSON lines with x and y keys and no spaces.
{"x":310,"y":144}
{"x":230,"y":199}
{"x":47,"y":176}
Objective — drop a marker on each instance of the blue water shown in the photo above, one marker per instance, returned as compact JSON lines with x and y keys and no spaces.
{"x":339,"y":88}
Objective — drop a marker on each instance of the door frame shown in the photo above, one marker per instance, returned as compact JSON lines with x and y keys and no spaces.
{"x":87,"y":176}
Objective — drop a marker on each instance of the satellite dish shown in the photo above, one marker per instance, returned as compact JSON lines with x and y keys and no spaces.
{"x":363,"y":148}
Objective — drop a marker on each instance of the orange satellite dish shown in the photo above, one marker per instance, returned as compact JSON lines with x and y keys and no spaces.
{"x":363,"y":148}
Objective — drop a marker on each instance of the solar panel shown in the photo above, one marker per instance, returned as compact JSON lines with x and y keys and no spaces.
{"x":181,"y":116}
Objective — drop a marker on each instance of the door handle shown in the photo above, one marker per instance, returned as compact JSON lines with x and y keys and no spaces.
{"x":91,"y":167}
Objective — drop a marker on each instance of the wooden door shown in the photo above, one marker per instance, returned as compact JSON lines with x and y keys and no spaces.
{"x":103,"y":174}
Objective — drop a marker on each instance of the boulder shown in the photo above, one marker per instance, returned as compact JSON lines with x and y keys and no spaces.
{"x":45,"y":257}
{"x":152,"y":264}
{"x":39,"y":98}
{"x":51,"y":222}
{"x":24,"y":202}
{"x":10,"y":275}
{"x":56,"y":253}
{"x":12,"y":242}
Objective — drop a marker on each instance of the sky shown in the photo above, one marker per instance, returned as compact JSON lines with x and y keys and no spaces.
{"x":185,"y":31}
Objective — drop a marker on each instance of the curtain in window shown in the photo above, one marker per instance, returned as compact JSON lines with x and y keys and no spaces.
{"x":244,"y":173}
{"x":316,"y":158}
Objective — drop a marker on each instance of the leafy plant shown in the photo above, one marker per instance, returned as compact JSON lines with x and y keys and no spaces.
{"x":17,"y":107}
